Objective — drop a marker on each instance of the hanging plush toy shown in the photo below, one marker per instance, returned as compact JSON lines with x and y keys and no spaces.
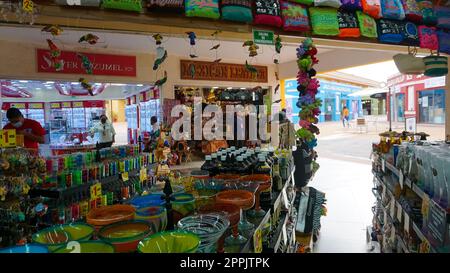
{"x":252,"y":48}
{"x":161,"y":55}
{"x":251,"y":69}
{"x":89,"y":38}
{"x":158,"y":38}
{"x":216,"y":46}
{"x":55,"y":52}
{"x":87,"y":65}
{"x":86,"y":85}
{"x":53,"y":29}
{"x":192,"y":37}
{"x":278,"y":44}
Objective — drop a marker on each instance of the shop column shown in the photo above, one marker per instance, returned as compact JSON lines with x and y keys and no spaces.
{"x":447,"y":106}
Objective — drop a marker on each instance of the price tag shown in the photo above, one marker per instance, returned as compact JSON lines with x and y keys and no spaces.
{"x":392,"y":211}
{"x":257,"y":241}
{"x":383,"y":165}
{"x":8,"y":138}
{"x":121,"y":167}
{"x":27,"y":5}
{"x":143,"y":174}
{"x":401,"y":178}
{"x":399,"y":212}
{"x":407,"y":222}
{"x":125,"y":176}
{"x":96,"y":191}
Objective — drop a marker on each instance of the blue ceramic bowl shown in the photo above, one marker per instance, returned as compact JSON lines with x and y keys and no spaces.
{"x":29,"y":248}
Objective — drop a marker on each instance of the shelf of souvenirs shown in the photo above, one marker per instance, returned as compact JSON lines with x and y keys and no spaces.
{"x":399,"y":212}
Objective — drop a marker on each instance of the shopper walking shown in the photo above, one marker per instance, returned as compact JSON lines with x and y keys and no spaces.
{"x":31,"y":130}
{"x":345,"y":116}
{"x":106,"y":132}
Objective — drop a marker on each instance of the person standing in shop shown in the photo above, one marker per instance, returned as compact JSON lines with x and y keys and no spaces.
{"x":154,"y":135}
{"x":31,"y":130}
{"x":107,"y":134}
{"x":345,"y":116}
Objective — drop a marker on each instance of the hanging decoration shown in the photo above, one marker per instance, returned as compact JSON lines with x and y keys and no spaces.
{"x":89,"y":38}
{"x":276,"y":61}
{"x":55,"y":53}
{"x":308,"y":88}
{"x":162,"y":81}
{"x":161,"y":55}
{"x":87,"y":86}
{"x":252,"y":48}
{"x":86,"y":63}
{"x":192,"y":41}
{"x":216,"y":46}
{"x":158,"y":38}
{"x":53,"y":30}
{"x":24,"y":10}
{"x":250,"y":68}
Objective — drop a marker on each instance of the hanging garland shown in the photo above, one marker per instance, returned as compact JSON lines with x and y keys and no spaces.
{"x":161,"y":56}
{"x":308,"y":88}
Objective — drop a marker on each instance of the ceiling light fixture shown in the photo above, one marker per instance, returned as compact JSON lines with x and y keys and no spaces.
{"x":50,"y":82}
{"x":229,"y":88}
{"x":243,"y":88}
{"x":215,"y":87}
{"x":23,"y":81}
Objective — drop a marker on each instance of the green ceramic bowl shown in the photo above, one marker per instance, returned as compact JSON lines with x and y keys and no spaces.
{"x":170,"y":242}
{"x":79,"y":231}
{"x":86,"y":247}
{"x":52,"y":237}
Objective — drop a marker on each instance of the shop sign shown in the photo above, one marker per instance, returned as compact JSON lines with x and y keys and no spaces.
{"x":35,"y":106}
{"x":210,"y":71}
{"x":66,"y":104}
{"x":102,"y":64}
{"x":263,"y":37}
{"x":437,"y":223}
{"x":435,"y":82}
{"x":77,"y":104}
{"x":55,"y":105}
{"x":96,"y":191}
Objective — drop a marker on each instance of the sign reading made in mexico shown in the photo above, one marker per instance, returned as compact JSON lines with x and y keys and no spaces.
{"x":210,"y":71}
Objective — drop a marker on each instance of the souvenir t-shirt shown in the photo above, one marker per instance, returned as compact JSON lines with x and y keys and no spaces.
{"x":348,"y":24}
{"x":305,"y":2}
{"x":237,"y":10}
{"x":202,"y":8}
{"x":351,"y":4}
{"x":429,"y":17}
{"x":324,"y":21}
{"x":443,"y":17}
{"x":372,"y":8}
{"x":428,"y":38}
{"x":412,"y":10}
{"x":444,"y":41}
{"x":29,"y":126}
{"x":411,"y":35}
{"x":165,"y":5}
{"x":392,"y":9}
{"x":129,"y":5}
{"x":328,"y":3}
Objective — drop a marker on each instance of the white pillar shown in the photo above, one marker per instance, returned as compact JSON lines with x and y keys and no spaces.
{"x":447,"y":106}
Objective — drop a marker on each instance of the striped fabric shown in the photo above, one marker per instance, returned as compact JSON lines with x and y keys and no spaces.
{"x":436,"y":66}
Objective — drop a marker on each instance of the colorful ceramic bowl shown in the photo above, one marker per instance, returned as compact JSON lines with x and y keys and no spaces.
{"x":209,"y":227}
{"x":79,"y":231}
{"x":125,"y":236}
{"x":104,"y":216}
{"x":86,"y":247}
{"x":148,"y":200}
{"x":183,"y":204}
{"x":28,"y":248}
{"x":52,"y":237}
{"x":242,"y":198}
{"x":170,"y":242}
{"x":155,"y":215}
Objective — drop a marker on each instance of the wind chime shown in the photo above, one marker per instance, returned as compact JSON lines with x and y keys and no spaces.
{"x":276,"y":61}
{"x":253,"y":52}
{"x":215,"y":46}
{"x":308,"y":87}
{"x":161,"y":56}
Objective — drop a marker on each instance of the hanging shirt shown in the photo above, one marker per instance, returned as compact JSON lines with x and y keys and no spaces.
{"x":29,"y":126}
{"x":105,"y":131}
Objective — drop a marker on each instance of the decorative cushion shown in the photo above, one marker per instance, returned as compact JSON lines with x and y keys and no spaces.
{"x":372,"y":8}
{"x":295,"y":17}
{"x":443,"y":17}
{"x":412,"y":10}
{"x":268,"y":12}
{"x":392,"y":9}
{"x":83,"y":3}
{"x":324,"y":21}
{"x":428,"y":38}
{"x":390,"y":31}
{"x":367,"y":25}
{"x":203,"y":8}
{"x":237,"y":10}
{"x":328,"y":3}
{"x":411,"y":34}
{"x":351,"y":5}
{"x":429,"y":17}
{"x":444,"y":41}
{"x":166,"y":5}
{"x":129,"y":5}
{"x":348,"y":24}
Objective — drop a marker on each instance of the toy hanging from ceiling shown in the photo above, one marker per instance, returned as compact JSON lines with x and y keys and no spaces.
{"x":55,"y":53}
{"x":253,"y":52}
{"x":84,"y":88}
{"x":89,"y":38}
{"x":276,"y":61}
{"x":192,"y":42}
{"x":54,"y":30}
{"x":86,"y":63}
{"x":161,"y":56}
{"x":215,"y":46}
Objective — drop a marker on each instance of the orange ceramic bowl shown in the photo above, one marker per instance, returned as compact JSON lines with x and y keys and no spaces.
{"x":108,"y":215}
{"x":241,"y":198}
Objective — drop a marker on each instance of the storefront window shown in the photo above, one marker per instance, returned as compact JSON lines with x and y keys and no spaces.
{"x":432,"y":106}
{"x":400,"y":107}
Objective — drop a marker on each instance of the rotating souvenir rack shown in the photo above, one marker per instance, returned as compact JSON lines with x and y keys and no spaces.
{"x":411,"y":184}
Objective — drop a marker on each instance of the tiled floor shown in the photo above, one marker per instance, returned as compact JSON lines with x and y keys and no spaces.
{"x":349,"y":200}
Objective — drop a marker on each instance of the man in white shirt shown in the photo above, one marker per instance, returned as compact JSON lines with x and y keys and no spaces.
{"x":106,"y":132}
